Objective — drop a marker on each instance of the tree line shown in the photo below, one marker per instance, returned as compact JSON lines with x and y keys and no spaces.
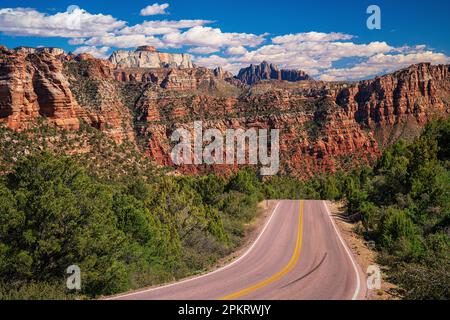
{"x":148,"y":227}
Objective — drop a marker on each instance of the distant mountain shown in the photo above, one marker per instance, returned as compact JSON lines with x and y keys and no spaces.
{"x":269,"y":71}
{"x":149,"y":57}
{"x":324,"y":126}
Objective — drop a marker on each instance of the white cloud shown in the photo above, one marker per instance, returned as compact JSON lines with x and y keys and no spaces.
{"x":311,"y":37}
{"x":212,"y":37}
{"x":310,"y":56}
{"x":215,"y":61}
{"x":238,"y":50}
{"x":155,"y":9}
{"x":70,"y":24}
{"x":203,"y":50}
{"x":316,"y":53}
{"x":125,"y":41}
{"x":161,"y":27}
{"x":381,"y":64}
{"x":101,"y":53}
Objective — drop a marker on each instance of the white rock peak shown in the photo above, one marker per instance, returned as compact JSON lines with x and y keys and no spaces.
{"x":149,"y":57}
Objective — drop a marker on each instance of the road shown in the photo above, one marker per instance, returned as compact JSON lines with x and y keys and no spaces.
{"x":298,"y":255}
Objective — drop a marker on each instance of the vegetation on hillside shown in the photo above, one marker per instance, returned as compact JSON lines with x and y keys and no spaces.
{"x":128,"y":225}
{"x":123,"y":234}
{"x":403,"y":204}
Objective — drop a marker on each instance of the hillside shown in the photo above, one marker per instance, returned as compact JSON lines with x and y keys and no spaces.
{"x":324,"y":126}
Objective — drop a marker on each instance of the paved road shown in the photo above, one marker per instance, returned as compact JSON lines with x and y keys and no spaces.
{"x":298,"y":255}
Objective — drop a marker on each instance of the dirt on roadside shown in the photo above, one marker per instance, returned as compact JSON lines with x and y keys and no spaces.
{"x":361,"y":250}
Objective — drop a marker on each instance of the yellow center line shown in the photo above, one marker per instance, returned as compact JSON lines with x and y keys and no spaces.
{"x":291,"y":264}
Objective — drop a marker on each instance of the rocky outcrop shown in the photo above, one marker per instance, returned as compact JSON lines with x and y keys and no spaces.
{"x":35,"y":84}
{"x":49,"y":50}
{"x":415,"y":94}
{"x":269,"y":71}
{"x":148,"y":57}
{"x":314,"y":135}
{"x":32,"y":85}
{"x":323,"y":126}
{"x":219,"y":72}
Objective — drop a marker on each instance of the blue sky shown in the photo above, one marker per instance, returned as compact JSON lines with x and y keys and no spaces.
{"x":328,"y":39}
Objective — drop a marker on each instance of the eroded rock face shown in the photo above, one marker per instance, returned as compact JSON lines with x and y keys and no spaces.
{"x":148,"y":57}
{"x":32,"y":85}
{"x":35,"y":84}
{"x":269,"y":71}
{"x":323,"y":126}
{"x":415,"y":94}
{"x":314,"y":135}
{"x":49,"y":50}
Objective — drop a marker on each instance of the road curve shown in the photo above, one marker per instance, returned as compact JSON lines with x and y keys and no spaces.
{"x":298,"y":255}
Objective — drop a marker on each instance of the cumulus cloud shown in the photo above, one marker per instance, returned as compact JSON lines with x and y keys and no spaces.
{"x":313,"y":54}
{"x":238,"y":50}
{"x":203,"y":50}
{"x":214,"y":61}
{"x":316,"y":53}
{"x":155,"y":9}
{"x":161,"y":27}
{"x":212,"y":37}
{"x":101,"y":53}
{"x":311,"y":37}
{"x":73,"y":23}
{"x":77,"y":41}
{"x":125,"y":41}
{"x":310,"y":56}
{"x":383,"y":63}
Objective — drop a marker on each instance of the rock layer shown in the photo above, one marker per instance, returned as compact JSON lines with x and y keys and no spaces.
{"x":148,"y":57}
{"x":269,"y":71}
{"x":323,"y":126}
{"x":32,"y":85}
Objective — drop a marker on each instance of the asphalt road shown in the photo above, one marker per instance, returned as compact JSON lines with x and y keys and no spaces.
{"x":298,"y":255}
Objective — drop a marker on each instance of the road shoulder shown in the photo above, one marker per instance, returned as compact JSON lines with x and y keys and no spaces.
{"x":253,"y":229}
{"x":364,"y":255}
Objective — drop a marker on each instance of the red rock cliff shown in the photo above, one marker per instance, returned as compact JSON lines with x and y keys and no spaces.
{"x":324,"y":126}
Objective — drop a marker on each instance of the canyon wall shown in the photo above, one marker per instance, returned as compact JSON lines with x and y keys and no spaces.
{"x":323,"y":126}
{"x":269,"y":71}
{"x":148,"y":57}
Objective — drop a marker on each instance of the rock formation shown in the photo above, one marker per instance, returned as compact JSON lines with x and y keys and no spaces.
{"x":415,"y":94}
{"x":269,"y":71}
{"x":323,"y":126}
{"x":32,"y":85}
{"x":148,"y":57}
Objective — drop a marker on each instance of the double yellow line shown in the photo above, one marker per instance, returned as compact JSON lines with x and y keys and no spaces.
{"x":291,"y":264}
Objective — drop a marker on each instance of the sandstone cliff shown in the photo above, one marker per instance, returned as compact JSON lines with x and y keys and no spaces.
{"x":148,"y":57}
{"x":411,"y":96}
{"x":269,"y":71}
{"x":32,"y":85}
{"x":324,"y":126}
{"x":47,"y":84}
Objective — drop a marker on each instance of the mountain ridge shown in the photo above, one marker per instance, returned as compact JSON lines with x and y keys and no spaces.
{"x":325,"y":126}
{"x":269,"y":71}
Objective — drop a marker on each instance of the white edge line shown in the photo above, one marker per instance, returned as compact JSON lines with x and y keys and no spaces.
{"x":355,"y":268}
{"x":206,"y":274}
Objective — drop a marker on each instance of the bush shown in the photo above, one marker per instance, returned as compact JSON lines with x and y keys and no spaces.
{"x":122,"y":234}
{"x":405,"y":204}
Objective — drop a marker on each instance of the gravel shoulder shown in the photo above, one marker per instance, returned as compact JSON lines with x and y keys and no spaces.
{"x":364,"y":255}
